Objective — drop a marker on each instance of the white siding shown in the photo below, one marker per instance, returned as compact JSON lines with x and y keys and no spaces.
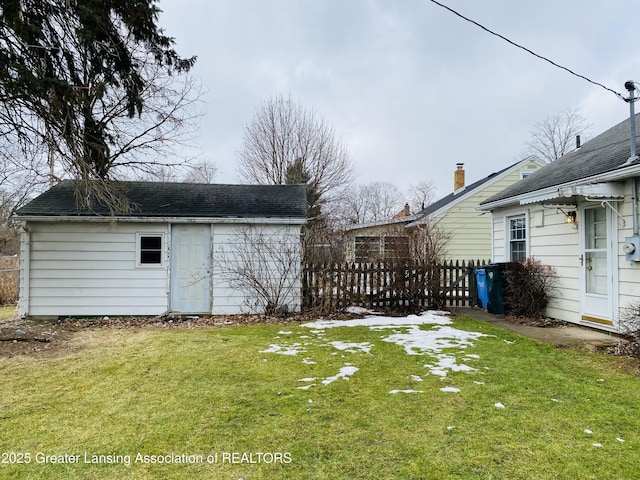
{"x":89,"y":269}
{"x":628,"y":272}
{"x":78,"y":268}
{"x":229,"y":246}
{"x":556,"y":243}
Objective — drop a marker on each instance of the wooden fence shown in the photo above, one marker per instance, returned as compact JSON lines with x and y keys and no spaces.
{"x":389,"y":286}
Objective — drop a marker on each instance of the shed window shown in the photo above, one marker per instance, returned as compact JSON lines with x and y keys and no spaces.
{"x":150,"y":250}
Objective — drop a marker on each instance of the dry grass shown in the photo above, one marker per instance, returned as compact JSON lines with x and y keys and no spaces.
{"x":9,"y":279}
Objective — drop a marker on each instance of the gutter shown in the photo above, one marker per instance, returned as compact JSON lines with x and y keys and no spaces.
{"x":622,"y":173}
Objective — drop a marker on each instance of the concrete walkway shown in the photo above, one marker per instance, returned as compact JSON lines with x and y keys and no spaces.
{"x":558,"y":336}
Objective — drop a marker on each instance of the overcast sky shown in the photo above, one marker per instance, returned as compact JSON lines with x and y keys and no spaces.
{"x":409,"y":87}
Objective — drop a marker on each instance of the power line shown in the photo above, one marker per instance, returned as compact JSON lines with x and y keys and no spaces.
{"x":527,"y":50}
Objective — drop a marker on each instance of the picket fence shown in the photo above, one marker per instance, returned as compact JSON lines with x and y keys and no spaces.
{"x":390,"y":286}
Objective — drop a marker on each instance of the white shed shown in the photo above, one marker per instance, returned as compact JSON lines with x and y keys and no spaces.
{"x":180,"y":249}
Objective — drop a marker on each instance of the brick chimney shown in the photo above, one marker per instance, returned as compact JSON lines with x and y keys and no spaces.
{"x":405,"y":212}
{"x":458,"y":177}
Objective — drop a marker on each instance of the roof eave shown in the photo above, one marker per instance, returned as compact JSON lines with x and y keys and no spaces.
{"x":168,"y":219}
{"x":556,"y":191}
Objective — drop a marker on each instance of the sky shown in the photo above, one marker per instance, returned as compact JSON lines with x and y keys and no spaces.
{"x":410,"y":88}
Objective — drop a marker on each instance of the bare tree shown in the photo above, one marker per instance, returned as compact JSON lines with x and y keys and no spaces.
{"x":265,"y":266}
{"x":429,"y":242}
{"x":421,"y":195}
{"x":200,"y":172}
{"x":556,"y":135}
{"x":371,"y":202}
{"x":282,"y":134}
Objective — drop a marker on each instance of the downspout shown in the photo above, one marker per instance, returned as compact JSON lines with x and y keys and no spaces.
{"x":25,"y":270}
{"x":630,"y":86}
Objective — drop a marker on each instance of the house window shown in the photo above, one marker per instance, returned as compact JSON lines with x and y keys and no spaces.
{"x":377,"y":248}
{"x":149,"y":249}
{"x":367,"y":249}
{"x":518,"y":239}
{"x":396,"y":248}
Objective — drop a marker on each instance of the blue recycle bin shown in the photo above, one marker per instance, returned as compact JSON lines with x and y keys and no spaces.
{"x":482,"y":286}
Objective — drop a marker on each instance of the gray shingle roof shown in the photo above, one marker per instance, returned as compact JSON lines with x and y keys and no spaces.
{"x":604,"y":153}
{"x":153,"y":199}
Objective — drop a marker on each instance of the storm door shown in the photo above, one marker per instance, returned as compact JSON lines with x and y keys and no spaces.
{"x":191,"y":268}
{"x":596,"y":265}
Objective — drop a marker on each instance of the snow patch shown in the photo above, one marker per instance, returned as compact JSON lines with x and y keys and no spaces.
{"x":498,"y":405}
{"x":447,"y":363}
{"x":352,"y":347}
{"x":405,"y":391}
{"x":450,"y":389}
{"x":345,"y":373}
{"x":425,"y":318}
{"x":418,"y":342}
{"x":284,"y":350}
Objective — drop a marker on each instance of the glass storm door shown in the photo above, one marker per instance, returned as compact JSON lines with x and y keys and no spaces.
{"x":595,"y":263}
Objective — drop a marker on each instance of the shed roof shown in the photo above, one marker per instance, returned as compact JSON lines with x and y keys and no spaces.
{"x":159,"y":199}
{"x":604,"y":153}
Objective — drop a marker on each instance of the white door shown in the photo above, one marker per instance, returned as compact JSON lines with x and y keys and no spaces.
{"x":191,"y":268}
{"x":596,"y":259}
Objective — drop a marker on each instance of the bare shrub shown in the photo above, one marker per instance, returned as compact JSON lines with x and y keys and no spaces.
{"x":529,"y":287}
{"x":264,"y":265}
{"x":630,"y":328}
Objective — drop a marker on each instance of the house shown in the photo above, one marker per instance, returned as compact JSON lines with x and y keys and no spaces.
{"x":578,"y":214}
{"x":467,"y":231}
{"x":176,"y":251}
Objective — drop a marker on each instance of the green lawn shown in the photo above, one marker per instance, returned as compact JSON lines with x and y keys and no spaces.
{"x":215,"y":401}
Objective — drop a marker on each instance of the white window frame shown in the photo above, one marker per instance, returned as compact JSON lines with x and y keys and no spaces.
{"x":509,"y":241}
{"x":163,"y":249}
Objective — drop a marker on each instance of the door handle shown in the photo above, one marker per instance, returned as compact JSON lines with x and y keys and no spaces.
{"x":581,"y":260}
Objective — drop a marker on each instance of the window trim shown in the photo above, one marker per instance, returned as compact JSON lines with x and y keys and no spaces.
{"x":509,"y":241}
{"x":139,"y":236}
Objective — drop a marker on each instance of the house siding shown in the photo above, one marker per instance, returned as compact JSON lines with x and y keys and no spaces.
{"x":78,"y":269}
{"x":628,"y":272}
{"x":556,"y":243}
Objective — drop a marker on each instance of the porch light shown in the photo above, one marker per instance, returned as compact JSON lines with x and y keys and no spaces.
{"x":572,"y":217}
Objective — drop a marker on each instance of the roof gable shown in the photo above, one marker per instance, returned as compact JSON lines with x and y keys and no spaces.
{"x":156,"y":199}
{"x":472,"y":189}
{"x":604,"y":153}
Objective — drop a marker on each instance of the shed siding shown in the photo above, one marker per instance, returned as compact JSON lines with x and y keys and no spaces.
{"x":78,"y":268}
{"x":228,"y":297}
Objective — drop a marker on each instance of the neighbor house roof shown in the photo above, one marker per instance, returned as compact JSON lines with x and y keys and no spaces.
{"x":155,"y":199}
{"x":458,"y":195}
{"x":605,"y":153}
